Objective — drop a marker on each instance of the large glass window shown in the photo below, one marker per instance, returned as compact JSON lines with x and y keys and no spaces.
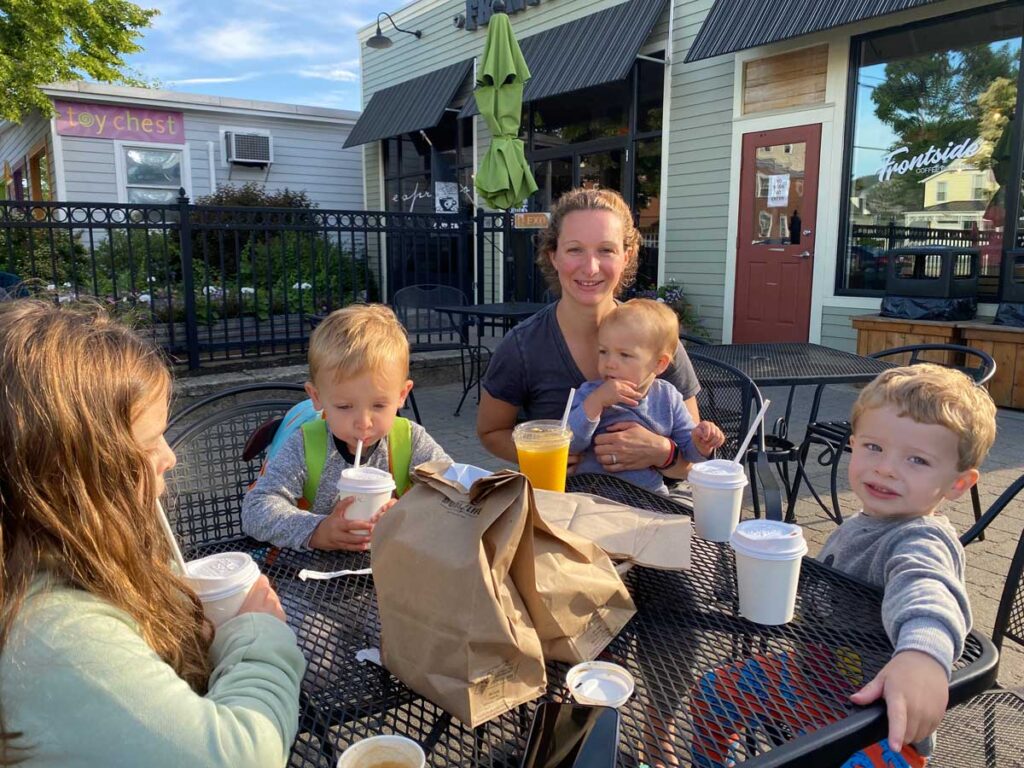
{"x":931,"y":158}
{"x":430,"y":171}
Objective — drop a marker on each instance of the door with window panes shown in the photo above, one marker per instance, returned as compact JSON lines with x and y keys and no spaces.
{"x":775,"y":239}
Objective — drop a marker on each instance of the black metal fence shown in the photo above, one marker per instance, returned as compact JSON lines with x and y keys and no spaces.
{"x":210,"y":283}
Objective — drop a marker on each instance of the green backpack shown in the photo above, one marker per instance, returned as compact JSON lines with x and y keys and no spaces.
{"x":315,"y":438}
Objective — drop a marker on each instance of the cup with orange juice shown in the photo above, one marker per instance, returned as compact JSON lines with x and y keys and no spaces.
{"x":543,"y":449}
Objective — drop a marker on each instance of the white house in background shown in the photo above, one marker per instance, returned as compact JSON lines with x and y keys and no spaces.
{"x":115,"y":144}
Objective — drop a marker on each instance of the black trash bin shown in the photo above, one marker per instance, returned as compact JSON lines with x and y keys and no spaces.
{"x":1011,"y":290}
{"x":931,"y":282}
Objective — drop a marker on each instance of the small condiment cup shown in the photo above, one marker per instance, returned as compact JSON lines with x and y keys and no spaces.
{"x":599,"y":684}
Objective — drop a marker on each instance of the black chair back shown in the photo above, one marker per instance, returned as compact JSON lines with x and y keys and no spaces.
{"x":206,"y":486}
{"x":1010,"y":616}
{"x":415,"y":308}
{"x":975,"y":363}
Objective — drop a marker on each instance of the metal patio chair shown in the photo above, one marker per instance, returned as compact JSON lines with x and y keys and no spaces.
{"x":730,"y":399}
{"x":834,"y":436}
{"x":433,"y":331}
{"x":988,"y":730}
{"x":205,"y":488}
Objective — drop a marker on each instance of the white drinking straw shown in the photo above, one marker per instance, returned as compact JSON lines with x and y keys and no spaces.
{"x":568,"y":407}
{"x":170,"y":539}
{"x":359,"y":452}
{"x":753,"y":429}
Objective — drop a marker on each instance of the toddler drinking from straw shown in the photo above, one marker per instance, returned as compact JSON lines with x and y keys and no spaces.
{"x":636,"y":341}
{"x":359,"y":378}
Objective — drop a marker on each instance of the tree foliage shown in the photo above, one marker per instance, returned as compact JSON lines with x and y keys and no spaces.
{"x":47,"y":41}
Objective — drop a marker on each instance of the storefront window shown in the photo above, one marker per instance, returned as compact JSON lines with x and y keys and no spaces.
{"x":571,"y":118}
{"x":152,"y":175}
{"x":931,"y":144}
{"x":430,"y":171}
{"x":649,"y":95}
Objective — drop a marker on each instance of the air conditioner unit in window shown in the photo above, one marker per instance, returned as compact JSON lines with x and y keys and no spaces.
{"x":249,"y":148}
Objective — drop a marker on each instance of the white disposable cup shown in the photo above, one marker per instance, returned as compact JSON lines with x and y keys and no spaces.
{"x":222,"y":582}
{"x":768,"y":557}
{"x":599,"y":684}
{"x":379,"y":750}
{"x":371,"y":488}
{"x":717,"y":497}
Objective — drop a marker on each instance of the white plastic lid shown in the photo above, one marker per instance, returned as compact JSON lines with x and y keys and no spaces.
{"x":365,"y":480}
{"x":769,"y":540}
{"x":217,"y":576}
{"x":718,"y":473}
{"x":599,"y":683}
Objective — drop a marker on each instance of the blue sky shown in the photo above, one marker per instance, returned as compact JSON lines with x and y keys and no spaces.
{"x":273,"y":50}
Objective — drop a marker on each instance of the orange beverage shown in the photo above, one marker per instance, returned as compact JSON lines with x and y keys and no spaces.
{"x":543,"y":450}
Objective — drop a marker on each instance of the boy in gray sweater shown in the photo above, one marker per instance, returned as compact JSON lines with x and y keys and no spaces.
{"x":635,"y":344}
{"x":359,"y":378}
{"x":919,"y":435}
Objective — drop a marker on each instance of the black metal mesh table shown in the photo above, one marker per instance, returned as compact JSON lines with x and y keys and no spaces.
{"x":794,"y":364}
{"x":696,"y":663}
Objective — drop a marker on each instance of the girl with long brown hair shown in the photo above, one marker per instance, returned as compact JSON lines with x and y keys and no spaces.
{"x":105,"y":656}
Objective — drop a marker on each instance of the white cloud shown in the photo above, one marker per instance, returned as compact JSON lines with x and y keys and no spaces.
{"x":250,"y":39}
{"x":202,"y":80}
{"x":343,"y":72}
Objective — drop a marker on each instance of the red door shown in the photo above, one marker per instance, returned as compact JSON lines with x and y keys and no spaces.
{"x":775,"y":241}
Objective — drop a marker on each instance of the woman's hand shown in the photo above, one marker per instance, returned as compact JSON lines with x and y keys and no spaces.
{"x":262,"y":599}
{"x":574,"y":459}
{"x":629,"y":445}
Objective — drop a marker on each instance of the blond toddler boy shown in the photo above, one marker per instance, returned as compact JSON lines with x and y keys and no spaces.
{"x":636,"y":343}
{"x":919,"y":435}
{"x":359,"y":378}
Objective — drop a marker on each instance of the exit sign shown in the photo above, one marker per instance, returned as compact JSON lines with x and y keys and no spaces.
{"x":531,"y":220}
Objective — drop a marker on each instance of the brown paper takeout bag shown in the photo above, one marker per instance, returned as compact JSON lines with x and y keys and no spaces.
{"x":453,"y":625}
{"x":475,"y":590}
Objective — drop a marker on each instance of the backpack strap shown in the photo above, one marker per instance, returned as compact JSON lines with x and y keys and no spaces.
{"x":314,"y":442}
{"x":400,"y":453}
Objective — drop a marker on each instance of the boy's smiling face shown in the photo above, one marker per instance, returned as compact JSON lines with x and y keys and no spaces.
{"x":361,"y":407}
{"x":903,"y":468}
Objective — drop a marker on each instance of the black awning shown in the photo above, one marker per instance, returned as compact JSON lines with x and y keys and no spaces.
{"x":597,"y":49}
{"x":735,"y":25}
{"x":414,"y":105}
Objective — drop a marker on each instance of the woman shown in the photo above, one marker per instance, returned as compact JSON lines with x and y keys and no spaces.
{"x":105,"y":656}
{"x":589,"y":254}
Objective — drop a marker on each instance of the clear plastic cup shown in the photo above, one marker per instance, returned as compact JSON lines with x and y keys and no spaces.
{"x":717,"y":497}
{"x":543,"y":450}
{"x":371,"y":488}
{"x":768,"y":558}
{"x":222,"y":582}
{"x":377,"y":751}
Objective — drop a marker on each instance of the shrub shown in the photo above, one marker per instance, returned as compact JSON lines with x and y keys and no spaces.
{"x":672,"y":294}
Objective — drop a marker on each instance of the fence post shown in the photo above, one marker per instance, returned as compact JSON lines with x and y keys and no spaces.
{"x":188,"y":278}
{"x":479,"y":221}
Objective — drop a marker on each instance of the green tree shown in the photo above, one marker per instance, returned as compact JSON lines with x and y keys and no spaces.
{"x":46,"y":41}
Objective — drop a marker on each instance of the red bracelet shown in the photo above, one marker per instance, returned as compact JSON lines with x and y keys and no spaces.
{"x":672,"y":456}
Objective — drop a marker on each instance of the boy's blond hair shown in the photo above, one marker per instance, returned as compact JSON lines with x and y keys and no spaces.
{"x":655,"y":323}
{"x":357,"y":339}
{"x":932,"y":394}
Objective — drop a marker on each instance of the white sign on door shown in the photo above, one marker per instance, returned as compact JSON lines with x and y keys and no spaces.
{"x":778,"y":190}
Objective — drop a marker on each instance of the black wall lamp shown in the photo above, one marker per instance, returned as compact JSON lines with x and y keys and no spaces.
{"x":380,"y":40}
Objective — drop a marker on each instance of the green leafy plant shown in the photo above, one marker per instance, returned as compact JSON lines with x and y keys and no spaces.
{"x":672,"y":295}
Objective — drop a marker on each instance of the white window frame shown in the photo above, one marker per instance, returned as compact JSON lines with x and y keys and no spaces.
{"x":223,"y":129}
{"x":121,"y":166}
{"x":941,"y":191}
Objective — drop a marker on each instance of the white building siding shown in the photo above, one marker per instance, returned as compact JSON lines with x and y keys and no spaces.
{"x":89,"y":172}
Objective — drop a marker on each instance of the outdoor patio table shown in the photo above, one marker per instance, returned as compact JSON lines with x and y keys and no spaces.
{"x":505,"y":313}
{"x":687,"y":647}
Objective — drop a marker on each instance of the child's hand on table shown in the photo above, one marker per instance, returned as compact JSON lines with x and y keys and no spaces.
{"x":916,"y":691}
{"x":337,"y":532}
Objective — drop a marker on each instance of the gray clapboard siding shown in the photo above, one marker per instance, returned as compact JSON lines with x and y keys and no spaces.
{"x":837,"y":329}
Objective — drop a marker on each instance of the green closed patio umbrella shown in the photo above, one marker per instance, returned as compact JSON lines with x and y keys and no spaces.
{"x":503,"y":178}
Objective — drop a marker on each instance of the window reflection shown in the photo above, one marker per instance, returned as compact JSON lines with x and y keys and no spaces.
{"x":571,"y":118}
{"x":931,"y":148}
